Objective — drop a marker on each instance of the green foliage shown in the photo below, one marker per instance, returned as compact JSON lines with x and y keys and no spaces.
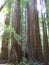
{"x":31,"y":62}
{"x":10,"y":64}
{"x":9,"y":4}
{"x":10,"y":30}
{"x":23,"y":62}
{"x":47,"y":10}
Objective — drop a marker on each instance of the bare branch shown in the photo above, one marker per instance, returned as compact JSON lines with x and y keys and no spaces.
{"x":2,"y":6}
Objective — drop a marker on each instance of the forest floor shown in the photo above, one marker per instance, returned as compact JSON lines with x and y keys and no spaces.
{"x":5,"y":64}
{"x":33,"y":63}
{"x":3,"y":61}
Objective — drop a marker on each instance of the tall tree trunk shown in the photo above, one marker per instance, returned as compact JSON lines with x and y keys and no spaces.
{"x":45,"y":40}
{"x":5,"y":39}
{"x":48,"y":32}
{"x":34,"y":25}
{"x":17,"y":17}
{"x":48,"y":29}
{"x":16,"y":24}
{"x":29,"y":48}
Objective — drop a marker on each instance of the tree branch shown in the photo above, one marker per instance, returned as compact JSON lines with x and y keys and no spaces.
{"x":2,"y":6}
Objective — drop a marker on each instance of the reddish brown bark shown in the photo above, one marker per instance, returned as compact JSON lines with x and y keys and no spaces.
{"x":45,"y":42}
{"x":4,"y":49}
{"x":16,"y":16}
{"x":34,"y":25}
{"x":28,"y":40}
{"x":45,"y":39}
{"x":5,"y":40}
{"x":16,"y":50}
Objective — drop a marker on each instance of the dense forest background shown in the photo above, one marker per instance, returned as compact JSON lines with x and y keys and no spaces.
{"x":24,"y":32}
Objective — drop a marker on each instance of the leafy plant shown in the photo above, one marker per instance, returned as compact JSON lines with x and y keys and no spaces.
{"x":23,"y":62}
{"x":10,"y":64}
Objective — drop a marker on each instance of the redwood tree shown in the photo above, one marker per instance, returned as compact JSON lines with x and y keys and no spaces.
{"x":34,"y":26}
{"x":28,"y":40}
{"x":45,"y":42}
{"x":17,"y":16}
{"x":45,"y":39}
{"x":5,"y":39}
{"x":16,"y":50}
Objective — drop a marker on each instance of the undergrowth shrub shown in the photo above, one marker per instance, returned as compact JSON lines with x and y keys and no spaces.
{"x":23,"y":62}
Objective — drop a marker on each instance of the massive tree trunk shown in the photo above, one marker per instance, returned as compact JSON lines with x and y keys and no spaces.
{"x":4,"y":48}
{"x":29,"y":45}
{"x":48,"y":32}
{"x":34,"y":26}
{"x":17,"y":16}
{"x":5,"y":39}
{"x":16,"y":50}
{"x":45,"y":41}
